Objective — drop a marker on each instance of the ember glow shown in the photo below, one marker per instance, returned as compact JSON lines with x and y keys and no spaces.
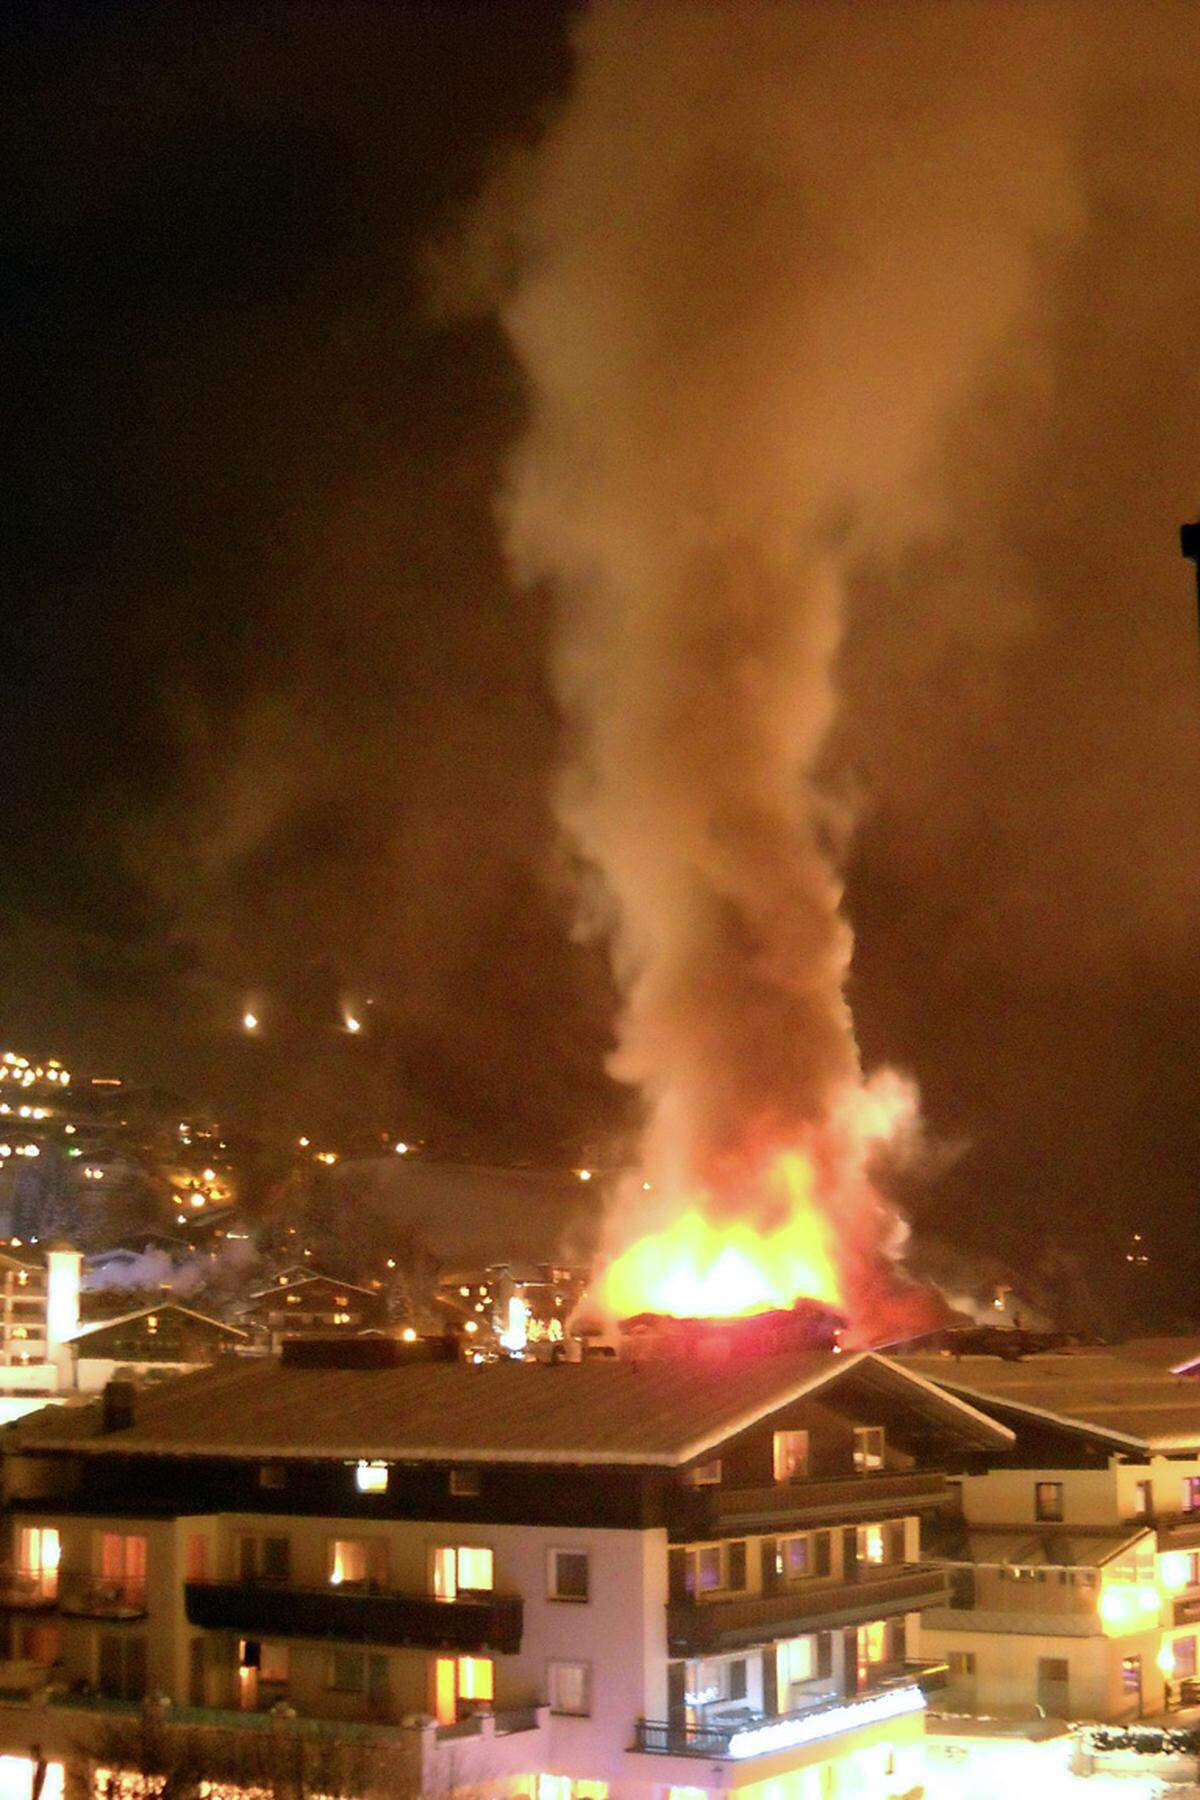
{"x":752,"y":291}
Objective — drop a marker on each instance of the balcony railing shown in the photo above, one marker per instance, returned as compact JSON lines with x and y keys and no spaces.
{"x":26,"y":1591}
{"x":853,"y":1497}
{"x":698,"y":1627}
{"x":101,"y":1597}
{"x":826,"y":1715}
{"x":358,"y":1615}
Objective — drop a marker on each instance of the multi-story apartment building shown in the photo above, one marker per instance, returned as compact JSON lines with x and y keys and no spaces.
{"x":1075,"y":1566}
{"x":609,"y":1578}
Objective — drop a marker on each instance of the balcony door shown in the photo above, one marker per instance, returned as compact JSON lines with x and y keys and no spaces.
{"x":38,"y":1554}
{"x":120,"y":1564}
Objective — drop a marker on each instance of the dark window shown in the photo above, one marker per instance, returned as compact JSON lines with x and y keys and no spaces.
{"x":736,"y":1577}
{"x":276,"y":1559}
{"x":962,"y":1589}
{"x":272,"y":1475}
{"x":1048,"y":1500}
{"x":821,"y":1553}
{"x":122,"y":1666}
{"x":737,"y":1680}
{"x":464,"y":1483}
{"x":568,"y":1575}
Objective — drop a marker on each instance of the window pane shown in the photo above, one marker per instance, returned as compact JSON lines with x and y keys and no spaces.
{"x":348,"y":1561}
{"x":475,"y":1570}
{"x":708,"y":1568}
{"x":445,"y":1573}
{"x":736,"y":1564}
{"x":569,"y":1574}
{"x":568,"y":1686}
{"x":791,"y":1455}
{"x":795,"y":1557}
{"x":475,"y":1677}
{"x":445,"y":1700}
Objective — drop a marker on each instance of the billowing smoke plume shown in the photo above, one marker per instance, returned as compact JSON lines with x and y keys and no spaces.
{"x":768,"y":255}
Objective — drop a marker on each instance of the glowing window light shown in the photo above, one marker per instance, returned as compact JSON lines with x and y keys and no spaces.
{"x":1175,"y":1570}
{"x":16,"y":1779}
{"x":470,"y":1326}
{"x":1127,"y":1604}
{"x":371,"y":1477}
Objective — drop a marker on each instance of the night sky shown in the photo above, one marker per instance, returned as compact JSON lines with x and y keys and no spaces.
{"x":278,"y":727}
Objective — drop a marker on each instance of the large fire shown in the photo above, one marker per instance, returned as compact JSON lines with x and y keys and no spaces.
{"x":785,"y":1225}
{"x":698,"y":1268}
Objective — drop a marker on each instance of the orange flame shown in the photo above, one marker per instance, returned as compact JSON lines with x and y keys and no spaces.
{"x":803,"y":1223}
{"x":696,"y":1268}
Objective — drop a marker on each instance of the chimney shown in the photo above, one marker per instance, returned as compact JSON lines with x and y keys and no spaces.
{"x":119,"y":1403}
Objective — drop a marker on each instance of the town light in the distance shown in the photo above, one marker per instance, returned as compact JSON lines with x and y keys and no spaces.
{"x":249,"y":1021}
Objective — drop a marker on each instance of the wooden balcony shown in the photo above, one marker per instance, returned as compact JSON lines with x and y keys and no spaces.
{"x":718,"y":1511}
{"x":700,"y":1628}
{"x":357,"y":1615}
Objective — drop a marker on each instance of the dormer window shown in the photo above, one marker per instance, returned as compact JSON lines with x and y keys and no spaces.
{"x":868,"y":1449}
{"x":790,"y":1455}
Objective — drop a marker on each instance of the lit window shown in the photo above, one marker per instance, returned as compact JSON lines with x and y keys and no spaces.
{"x":870,"y":1544}
{"x":790,"y":1455}
{"x":795,"y":1663}
{"x":554,"y":1787}
{"x":274,"y":1663}
{"x":371,"y":1477}
{"x":567,"y":1574}
{"x":868,"y":1448}
{"x":38,"y":1554}
{"x":475,"y":1678}
{"x":568,"y":1688}
{"x":1191,"y":1493}
{"x":463,"y":1568}
{"x":358,"y":1562}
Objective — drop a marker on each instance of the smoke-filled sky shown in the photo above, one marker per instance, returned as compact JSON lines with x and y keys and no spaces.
{"x":282,"y":725}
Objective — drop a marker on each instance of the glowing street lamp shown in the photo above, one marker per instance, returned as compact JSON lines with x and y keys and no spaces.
{"x":353,"y":1025}
{"x":249,"y":1021}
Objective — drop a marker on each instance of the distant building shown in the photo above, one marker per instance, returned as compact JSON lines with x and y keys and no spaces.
{"x":163,"y":1339}
{"x":313,"y":1305}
